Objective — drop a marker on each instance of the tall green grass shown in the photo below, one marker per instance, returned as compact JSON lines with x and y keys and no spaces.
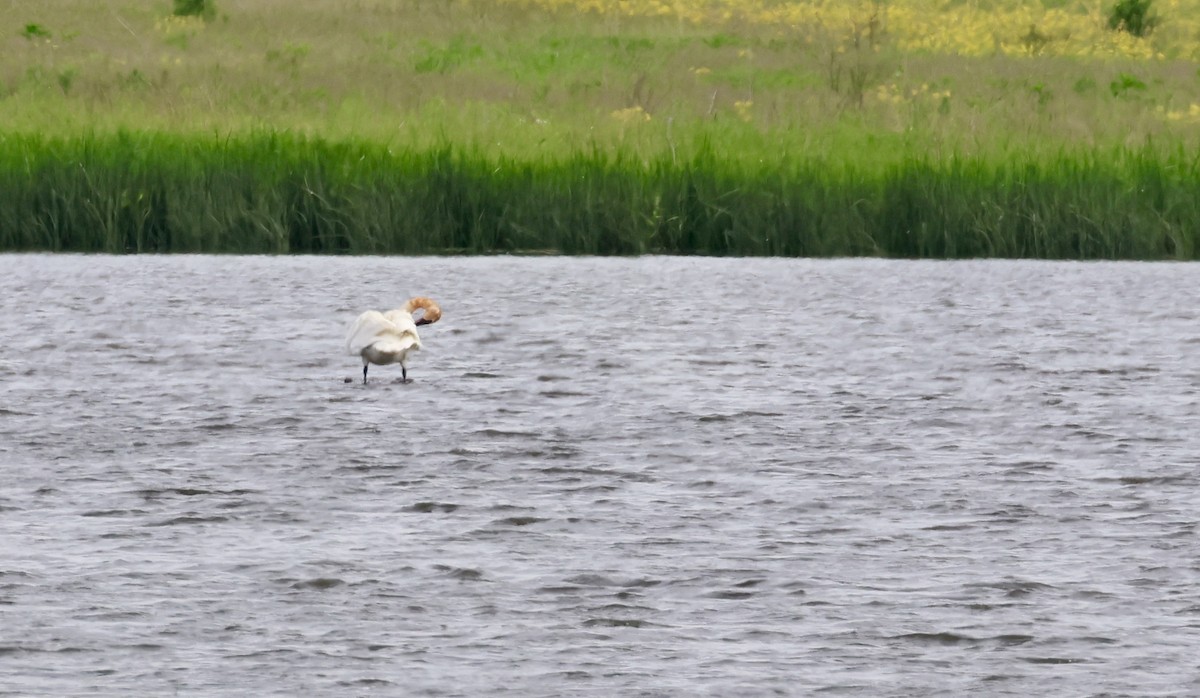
{"x":274,"y":192}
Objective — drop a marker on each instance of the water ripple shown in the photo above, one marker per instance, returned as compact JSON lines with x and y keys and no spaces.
{"x":890,"y":478}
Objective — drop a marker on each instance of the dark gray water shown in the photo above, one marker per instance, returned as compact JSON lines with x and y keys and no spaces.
{"x":657,"y":476}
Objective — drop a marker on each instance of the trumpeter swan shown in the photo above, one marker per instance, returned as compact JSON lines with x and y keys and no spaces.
{"x":388,"y":338}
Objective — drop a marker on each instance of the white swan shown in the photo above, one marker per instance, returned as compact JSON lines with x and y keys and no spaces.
{"x":388,"y":338}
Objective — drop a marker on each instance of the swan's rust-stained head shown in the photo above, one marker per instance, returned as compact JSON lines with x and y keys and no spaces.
{"x":433,"y":312}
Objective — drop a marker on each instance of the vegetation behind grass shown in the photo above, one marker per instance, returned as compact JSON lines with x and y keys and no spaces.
{"x":904,"y":128}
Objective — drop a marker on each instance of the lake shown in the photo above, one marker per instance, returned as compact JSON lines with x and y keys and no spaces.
{"x":609,"y":477}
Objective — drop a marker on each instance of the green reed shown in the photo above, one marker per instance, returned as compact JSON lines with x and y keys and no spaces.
{"x":281,"y":193}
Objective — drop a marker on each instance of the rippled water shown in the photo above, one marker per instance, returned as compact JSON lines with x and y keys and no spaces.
{"x":654,"y":476}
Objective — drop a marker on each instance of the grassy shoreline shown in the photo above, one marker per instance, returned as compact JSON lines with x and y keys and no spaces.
{"x":905,"y":128}
{"x":283,"y":193}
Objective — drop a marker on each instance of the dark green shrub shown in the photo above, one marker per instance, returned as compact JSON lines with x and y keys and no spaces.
{"x":195,"y":8}
{"x":35,"y":31}
{"x":1132,"y":16}
{"x":1126,"y":84}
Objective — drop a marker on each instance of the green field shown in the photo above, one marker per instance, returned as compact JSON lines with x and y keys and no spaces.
{"x":418,"y":127}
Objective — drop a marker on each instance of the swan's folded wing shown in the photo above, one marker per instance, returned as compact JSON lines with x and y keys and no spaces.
{"x":367,"y":330}
{"x":389,"y":332}
{"x":397,"y":343}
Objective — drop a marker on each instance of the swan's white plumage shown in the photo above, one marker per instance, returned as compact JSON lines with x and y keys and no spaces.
{"x":392,"y":332}
{"x":389,"y":338}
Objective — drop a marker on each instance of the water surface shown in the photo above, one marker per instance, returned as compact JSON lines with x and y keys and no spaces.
{"x":652,"y":476}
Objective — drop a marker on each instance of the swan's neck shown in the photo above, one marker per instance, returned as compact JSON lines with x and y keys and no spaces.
{"x":432,"y":311}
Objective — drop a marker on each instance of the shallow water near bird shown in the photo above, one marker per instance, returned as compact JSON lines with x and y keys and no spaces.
{"x":652,"y":476}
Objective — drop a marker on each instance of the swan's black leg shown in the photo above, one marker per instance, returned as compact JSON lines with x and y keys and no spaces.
{"x":365,"y":373}
{"x":403,"y":375}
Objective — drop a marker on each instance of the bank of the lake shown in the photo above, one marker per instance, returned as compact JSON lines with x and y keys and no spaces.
{"x":736,"y":127}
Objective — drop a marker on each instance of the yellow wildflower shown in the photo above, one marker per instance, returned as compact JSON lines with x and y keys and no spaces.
{"x":631,"y":115}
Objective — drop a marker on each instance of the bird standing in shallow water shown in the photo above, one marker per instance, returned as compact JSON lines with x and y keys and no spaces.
{"x":389,"y":338}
